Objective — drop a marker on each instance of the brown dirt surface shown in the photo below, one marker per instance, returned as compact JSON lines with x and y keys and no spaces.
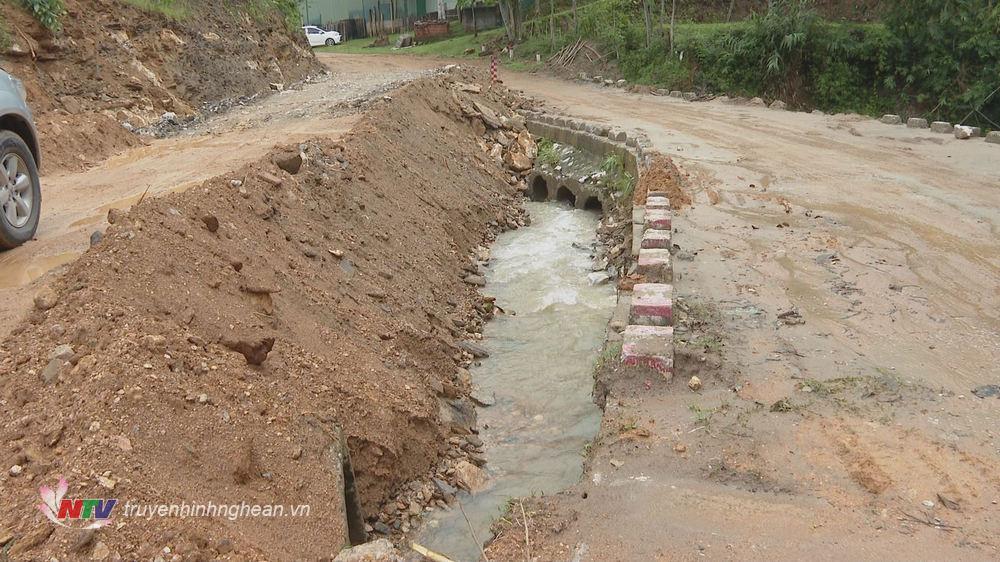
{"x":353,"y":266}
{"x":114,"y":63}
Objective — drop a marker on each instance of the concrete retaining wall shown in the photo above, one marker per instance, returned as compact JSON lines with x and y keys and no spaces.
{"x":596,"y":139}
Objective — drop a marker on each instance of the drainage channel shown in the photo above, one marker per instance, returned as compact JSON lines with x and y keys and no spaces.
{"x":542,"y":354}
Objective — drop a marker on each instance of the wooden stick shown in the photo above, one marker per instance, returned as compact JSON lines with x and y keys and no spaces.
{"x":473,"y":531}
{"x":524,"y":519}
{"x":429,"y":554}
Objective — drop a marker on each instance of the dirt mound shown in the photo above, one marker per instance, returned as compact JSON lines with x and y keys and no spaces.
{"x":136,"y":376}
{"x":112,"y":62}
{"x":662,"y":175}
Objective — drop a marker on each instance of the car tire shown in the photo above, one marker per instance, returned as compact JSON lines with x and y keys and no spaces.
{"x":330,"y":42}
{"x":24,"y":191}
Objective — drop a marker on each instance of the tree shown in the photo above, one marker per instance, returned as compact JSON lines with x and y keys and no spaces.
{"x":510,"y":11}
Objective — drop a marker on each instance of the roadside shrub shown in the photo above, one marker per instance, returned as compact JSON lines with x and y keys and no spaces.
{"x":547,"y":153}
{"x":950,"y":57}
{"x":47,"y":12}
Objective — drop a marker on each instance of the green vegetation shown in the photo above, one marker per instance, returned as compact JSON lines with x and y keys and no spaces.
{"x":616,"y":179}
{"x":611,"y":353}
{"x":547,"y":154}
{"x":454,"y":46}
{"x":47,"y":12}
{"x":173,"y":9}
{"x":5,"y":38}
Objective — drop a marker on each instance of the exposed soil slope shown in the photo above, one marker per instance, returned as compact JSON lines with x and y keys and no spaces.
{"x":353,"y":266}
{"x":112,"y":64}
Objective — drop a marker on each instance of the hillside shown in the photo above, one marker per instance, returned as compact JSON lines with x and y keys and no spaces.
{"x":113,"y":64}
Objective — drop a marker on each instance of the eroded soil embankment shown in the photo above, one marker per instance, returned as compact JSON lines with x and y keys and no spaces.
{"x":353,"y":265}
{"x":112,"y":63}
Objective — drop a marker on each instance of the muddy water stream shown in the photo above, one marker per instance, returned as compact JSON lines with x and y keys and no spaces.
{"x":540,"y":369}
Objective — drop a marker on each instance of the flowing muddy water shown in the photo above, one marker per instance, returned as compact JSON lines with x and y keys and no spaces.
{"x":540,"y":368}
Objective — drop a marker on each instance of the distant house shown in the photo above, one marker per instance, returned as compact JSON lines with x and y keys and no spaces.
{"x":350,"y":16}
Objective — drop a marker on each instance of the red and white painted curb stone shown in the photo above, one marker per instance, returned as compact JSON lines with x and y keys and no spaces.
{"x":657,"y":219}
{"x":649,"y":346}
{"x":651,"y":305}
{"x":648,"y":340}
{"x":654,"y":265}
{"x":655,"y":240}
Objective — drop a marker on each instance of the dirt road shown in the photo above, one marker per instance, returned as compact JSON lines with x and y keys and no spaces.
{"x":76,"y":204}
{"x":847,"y":428}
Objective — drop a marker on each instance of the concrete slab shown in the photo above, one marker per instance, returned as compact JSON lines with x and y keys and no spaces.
{"x":654,"y":265}
{"x":655,"y":240}
{"x":649,"y":346}
{"x":651,"y":305}
{"x":638,"y":214}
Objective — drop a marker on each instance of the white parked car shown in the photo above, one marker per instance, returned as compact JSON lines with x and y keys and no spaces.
{"x":318,"y":37}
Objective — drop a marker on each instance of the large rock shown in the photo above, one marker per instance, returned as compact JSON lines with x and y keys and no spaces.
{"x":471,"y":477}
{"x":490,"y":117}
{"x":527,"y":144}
{"x":376,"y":551}
{"x":519,"y":162}
{"x":458,"y":415}
{"x":993,"y":137}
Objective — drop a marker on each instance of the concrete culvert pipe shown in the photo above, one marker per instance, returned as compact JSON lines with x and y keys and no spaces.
{"x":593,"y":204}
{"x":539,"y":189}
{"x":564,"y":194}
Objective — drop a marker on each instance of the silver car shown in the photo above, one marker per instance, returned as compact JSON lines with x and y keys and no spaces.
{"x":20,"y":190}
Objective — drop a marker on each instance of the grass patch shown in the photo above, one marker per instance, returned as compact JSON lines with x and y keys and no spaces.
{"x":616,"y":179}
{"x":173,"y":9}
{"x":609,"y":354}
{"x":547,"y":154}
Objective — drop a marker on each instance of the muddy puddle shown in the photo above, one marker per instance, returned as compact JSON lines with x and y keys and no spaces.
{"x":540,"y":370}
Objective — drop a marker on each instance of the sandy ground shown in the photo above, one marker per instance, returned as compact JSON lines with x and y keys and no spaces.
{"x":883,"y":239}
{"x":76,"y":204}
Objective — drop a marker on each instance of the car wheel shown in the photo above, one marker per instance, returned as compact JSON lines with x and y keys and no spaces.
{"x":330,"y":42}
{"x":20,"y":192}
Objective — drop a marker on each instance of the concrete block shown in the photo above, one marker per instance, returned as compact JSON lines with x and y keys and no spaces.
{"x":916,"y":123}
{"x":637,"y":234}
{"x":656,"y":239}
{"x":621,"y":83}
{"x":993,"y":137}
{"x":689,"y":96}
{"x":654,"y":264}
{"x":649,"y":346}
{"x":656,"y":194}
{"x":638,"y":214}
{"x":890,"y":119}
{"x":962,"y":132}
{"x":942,"y":127}
{"x":676,"y":94}
{"x":657,"y":203}
{"x":619,"y":136}
{"x":657,"y":219}
{"x":651,"y":305}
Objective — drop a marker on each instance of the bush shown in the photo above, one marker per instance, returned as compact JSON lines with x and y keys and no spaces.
{"x":47,"y":12}
{"x":950,"y":56}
